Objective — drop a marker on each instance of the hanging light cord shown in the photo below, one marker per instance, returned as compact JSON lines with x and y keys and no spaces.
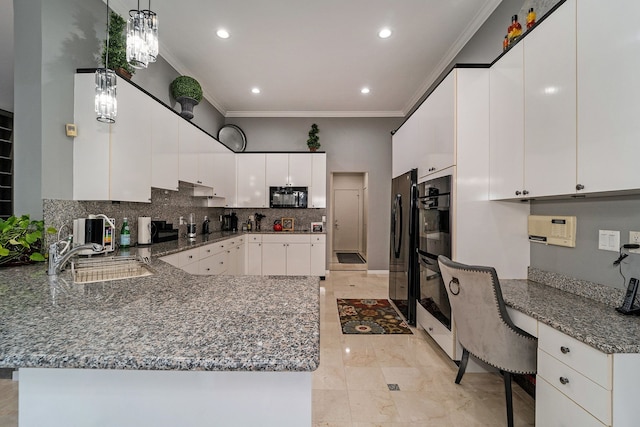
{"x":106,"y":60}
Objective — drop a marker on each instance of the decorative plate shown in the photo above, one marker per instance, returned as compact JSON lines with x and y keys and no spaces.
{"x":233,"y":137}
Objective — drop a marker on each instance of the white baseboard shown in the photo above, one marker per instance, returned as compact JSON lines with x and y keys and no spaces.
{"x":382,"y":272}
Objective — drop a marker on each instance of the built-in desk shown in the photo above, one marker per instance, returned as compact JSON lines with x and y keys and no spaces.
{"x":588,"y":356}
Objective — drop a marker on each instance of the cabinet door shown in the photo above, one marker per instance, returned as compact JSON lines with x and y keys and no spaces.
{"x":298,"y":259}
{"x":506,"y":133}
{"x":254,"y":259}
{"x":318,"y":255}
{"x":550,"y":105}
{"x":91,"y":146}
{"x":165,"y":147}
{"x":277,"y":169}
{"x":300,"y":170}
{"x":318,"y":189}
{"x":404,"y":144}
{"x":608,"y":96}
{"x":131,"y":146}
{"x":240,"y":260}
{"x":251,"y":181}
{"x":205,"y":159}
{"x":274,"y":259}
{"x":224,"y":177}
{"x":189,"y":149}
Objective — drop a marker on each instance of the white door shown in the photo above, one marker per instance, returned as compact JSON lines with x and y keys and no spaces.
{"x":346,"y":220}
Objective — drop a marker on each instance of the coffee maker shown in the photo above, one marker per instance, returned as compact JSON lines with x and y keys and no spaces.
{"x":230,"y":222}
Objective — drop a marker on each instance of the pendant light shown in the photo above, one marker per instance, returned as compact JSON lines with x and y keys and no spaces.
{"x":137,"y":48}
{"x":106,"y":104}
{"x":151,"y":35}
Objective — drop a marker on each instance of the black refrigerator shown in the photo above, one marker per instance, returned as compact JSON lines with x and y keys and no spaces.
{"x":403,"y":260}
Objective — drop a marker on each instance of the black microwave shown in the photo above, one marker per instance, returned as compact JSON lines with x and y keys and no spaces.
{"x":288,"y":197}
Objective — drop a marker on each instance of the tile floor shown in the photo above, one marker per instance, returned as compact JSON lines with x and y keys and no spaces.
{"x":352,"y":386}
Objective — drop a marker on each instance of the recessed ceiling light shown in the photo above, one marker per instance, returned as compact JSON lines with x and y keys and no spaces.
{"x":365,"y":90}
{"x":384,"y":33}
{"x":223,"y":34}
{"x":255,"y":90}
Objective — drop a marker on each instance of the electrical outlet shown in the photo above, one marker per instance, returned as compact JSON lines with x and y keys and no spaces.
{"x":634,"y":237}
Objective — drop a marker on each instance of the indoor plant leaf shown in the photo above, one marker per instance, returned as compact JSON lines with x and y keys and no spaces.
{"x":37,"y":256}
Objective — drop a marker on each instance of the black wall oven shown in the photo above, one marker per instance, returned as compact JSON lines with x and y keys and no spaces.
{"x":434,"y":221}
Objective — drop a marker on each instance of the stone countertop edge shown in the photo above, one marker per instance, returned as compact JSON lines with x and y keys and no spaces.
{"x":167,"y":321}
{"x":173,"y":246}
{"x":594,"y":323}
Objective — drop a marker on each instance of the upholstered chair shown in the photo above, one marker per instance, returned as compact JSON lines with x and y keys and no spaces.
{"x":483,"y":325}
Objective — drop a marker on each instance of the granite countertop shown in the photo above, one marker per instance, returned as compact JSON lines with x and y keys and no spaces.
{"x":591,"y":322}
{"x":168,"y":321}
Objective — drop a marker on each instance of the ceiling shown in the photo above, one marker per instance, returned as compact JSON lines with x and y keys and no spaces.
{"x":311,"y":58}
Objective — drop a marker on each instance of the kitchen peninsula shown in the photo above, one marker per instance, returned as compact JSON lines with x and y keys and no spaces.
{"x":167,"y":349}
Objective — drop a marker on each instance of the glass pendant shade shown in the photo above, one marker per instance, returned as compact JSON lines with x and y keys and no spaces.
{"x":106,"y":102}
{"x":137,"y":48}
{"x":151,"y":35}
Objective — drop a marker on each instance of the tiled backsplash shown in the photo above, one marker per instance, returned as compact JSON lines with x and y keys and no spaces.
{"x":167,"y":206}
{"x":302,"y":218}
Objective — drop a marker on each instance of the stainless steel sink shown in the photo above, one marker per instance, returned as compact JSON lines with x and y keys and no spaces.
{"x":112,"y":268}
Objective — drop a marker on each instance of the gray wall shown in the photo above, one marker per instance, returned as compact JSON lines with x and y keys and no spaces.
{"x":586,"y":261}
{"x":52,"y":40}
{"x":352,"y":145}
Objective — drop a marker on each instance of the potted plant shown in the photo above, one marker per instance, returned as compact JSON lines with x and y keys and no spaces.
{"x":117,"y":47}
{"x":313,"y":141}
{"x":22,"y":240}
{"x":187,"y":91}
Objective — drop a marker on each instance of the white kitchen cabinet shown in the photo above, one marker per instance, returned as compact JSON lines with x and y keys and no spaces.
{"x":404,"y":144}
{"x":439,"y":127}
{"x":318,"y":189}
{"x":288,"y":169}
{"x":251,"y":180}
{"x":318,"y":255}
{"x":165,"y":147}
{"x":111,"y":162}
{"x":224,"y":179}
{"x":284,"y":254}
{"x":550,"y":104}
{"x":254,"y":254}
{"x":608,"y":96}
{"x":196,"y":155}
{"x":506,"y":145}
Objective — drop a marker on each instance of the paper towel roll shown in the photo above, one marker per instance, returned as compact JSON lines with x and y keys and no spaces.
{"x":144,"y":230}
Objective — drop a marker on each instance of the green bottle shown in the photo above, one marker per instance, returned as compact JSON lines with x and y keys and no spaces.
{"x":125,"y":234}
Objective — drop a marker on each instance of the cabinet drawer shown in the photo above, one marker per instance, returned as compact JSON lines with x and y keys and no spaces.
{"x":554,"y":409}
{"x":590,"y":362}
{"x":187,"y":257}
{"x":208,"y":250}
{"x":524,"y":322}
{"x":215,"y":264}
{"x":254,"y":238}
{"x":319,"y":238}
{"x":291,"y":238}
{"x":586,"y":393}
{"x":437,"y":331}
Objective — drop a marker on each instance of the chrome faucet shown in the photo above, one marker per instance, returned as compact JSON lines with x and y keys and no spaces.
{"x":58,"y":259}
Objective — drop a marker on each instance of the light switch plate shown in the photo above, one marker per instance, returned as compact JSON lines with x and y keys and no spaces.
{"x":609,"y":240}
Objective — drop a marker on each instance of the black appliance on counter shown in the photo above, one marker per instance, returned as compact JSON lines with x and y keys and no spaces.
{"x":288,"y":197}
{"x":163,"y":232}
{"x":403,"y":265}
{"x":230,"y":222}
{"x":434,"y":219}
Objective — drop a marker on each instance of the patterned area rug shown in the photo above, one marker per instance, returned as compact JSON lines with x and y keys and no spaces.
{"x":370,"y":316}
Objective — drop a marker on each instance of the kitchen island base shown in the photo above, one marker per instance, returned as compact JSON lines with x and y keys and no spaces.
{"x":108,"y":397}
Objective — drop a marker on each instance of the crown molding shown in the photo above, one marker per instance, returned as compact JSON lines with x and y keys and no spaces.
{"x":314,"y":114}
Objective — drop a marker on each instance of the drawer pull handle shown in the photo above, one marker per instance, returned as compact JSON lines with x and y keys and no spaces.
{"x":564,"y":350}
{"x":430,"y":329}
{"x":564,"y":380}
